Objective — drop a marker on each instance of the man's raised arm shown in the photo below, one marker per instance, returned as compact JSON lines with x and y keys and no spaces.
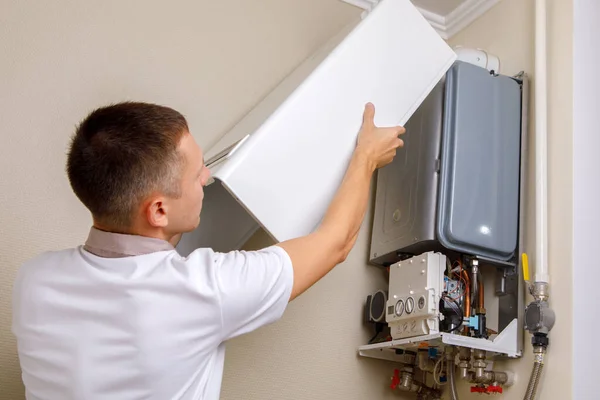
{"x":314,"y":255}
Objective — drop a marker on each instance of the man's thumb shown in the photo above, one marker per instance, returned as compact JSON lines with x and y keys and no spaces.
{"x":369,"y":115}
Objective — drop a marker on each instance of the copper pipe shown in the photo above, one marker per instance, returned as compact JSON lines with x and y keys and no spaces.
{"x":467,"y":301}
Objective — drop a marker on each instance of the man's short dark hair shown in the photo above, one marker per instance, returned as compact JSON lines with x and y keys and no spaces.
{"x":122,"y":153}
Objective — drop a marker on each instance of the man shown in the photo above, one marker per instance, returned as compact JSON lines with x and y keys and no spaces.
{"x":125,"y":316}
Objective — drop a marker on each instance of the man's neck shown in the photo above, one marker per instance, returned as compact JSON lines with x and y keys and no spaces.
{"x":156,"y":233}
{"x":107,"y":244}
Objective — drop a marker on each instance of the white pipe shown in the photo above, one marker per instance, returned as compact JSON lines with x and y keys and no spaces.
{"x":541,"y":145}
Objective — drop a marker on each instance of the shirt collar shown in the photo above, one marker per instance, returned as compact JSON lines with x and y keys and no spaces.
{"x":116,"y":245}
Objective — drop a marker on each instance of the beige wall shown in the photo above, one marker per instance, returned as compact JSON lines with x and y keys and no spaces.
{"x":210,"y":59}
{"x":507,"y":31}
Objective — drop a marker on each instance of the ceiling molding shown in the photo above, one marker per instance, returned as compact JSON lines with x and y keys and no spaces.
{"x":446,"y":25}
{"x":462,"y":16}
{"x":364,"y":4}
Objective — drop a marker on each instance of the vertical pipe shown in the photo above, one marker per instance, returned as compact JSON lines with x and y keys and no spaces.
{"x":467,"y":301}
{"x":451,"y":375}
{"x":541,"y":145}
{"x":536,"y":373}
{"x":474,"y":285}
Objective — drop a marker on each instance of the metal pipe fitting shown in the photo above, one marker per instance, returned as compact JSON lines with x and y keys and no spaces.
{"x":479,"y":355}
{"x":464,"y":353}
{"x":464,"y":363}
{"x":539,"y":317}
{"x":479,"y":375}
{"x":474,"y":280}
{"x":541,"y":291}
{"x":464,"y":374}
{"x":492,"y":377}
{"x":479,"y":365}
{"x":408,"y":384}
{"x":424,"y":363}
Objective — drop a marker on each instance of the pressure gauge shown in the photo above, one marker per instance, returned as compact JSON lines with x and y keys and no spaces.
{"x":410,"y":305}
{"x":399,"y":308}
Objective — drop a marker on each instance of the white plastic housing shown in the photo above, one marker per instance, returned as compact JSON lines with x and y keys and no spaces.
{"x":418,"y":281}
{"x":285,"y":160}
{"x":478,"y":57}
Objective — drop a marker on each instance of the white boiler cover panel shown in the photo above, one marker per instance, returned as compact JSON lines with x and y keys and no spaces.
{"x":287,"y":171}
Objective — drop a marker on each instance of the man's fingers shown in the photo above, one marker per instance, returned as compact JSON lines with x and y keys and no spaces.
{"x":396,"y":131}
{"x":399,"y":130}
{"x":369,"y":115}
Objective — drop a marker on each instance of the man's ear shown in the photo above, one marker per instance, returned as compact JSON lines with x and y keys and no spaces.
{"x":156,"y":212}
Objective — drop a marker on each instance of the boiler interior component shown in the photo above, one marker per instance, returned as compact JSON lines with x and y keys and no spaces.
{"x":376,"y":306}
{"x":415,"y":290}
{"x":438,"y":306}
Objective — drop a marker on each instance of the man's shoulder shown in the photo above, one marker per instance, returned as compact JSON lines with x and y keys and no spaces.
{"x":215,"y":256}
{"x":50,"y":256}
{"x":200,"y":254}
{"x":44,"y":263}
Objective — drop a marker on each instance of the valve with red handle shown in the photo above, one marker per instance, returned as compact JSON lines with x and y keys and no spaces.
{"x":395,"y":379}
{"x":487,"y":389}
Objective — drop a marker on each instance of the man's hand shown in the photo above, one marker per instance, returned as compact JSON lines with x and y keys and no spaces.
{"x":378,"y":144}
{"x":314,"y":255}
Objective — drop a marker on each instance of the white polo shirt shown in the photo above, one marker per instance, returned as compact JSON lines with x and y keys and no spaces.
{"x":126,"y":317}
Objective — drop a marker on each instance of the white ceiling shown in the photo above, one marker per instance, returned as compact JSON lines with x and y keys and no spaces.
{"x":440,"y":7}
{"x":448,"y":17}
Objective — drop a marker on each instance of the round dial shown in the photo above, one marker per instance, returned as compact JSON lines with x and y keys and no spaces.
{"x":399,"y":308}
{"x":410,"y":305}
{"x":421,"y":302}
